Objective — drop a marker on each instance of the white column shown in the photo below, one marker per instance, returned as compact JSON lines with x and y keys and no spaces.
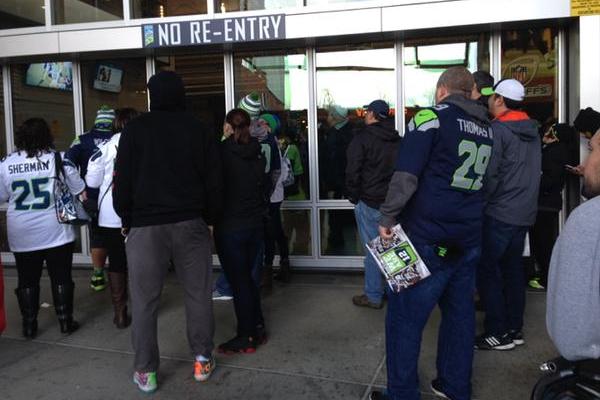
{"x":400,"y":120}
{"x":589,"y":62}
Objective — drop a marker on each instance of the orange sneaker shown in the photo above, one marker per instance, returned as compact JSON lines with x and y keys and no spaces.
{"x":203,"y":369}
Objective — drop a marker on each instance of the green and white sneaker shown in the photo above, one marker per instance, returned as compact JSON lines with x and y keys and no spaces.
{"x":145,"y":381}
{"x":535,"y":285}
{"x":98,"y":282}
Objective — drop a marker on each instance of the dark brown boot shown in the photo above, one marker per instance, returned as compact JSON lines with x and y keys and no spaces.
{"x":118,"y":291}
{"x":285,"y":272}
{"x":266,"y":279}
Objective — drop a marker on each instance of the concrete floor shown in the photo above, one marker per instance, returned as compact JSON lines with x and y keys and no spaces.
{"x":320,"y":347}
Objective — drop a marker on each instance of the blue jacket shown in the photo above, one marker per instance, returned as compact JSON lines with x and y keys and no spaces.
{"x":82,"y":149}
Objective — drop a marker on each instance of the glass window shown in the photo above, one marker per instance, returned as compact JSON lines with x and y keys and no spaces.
{"x":277,"y":84}
{"x":116,"y":83}
{"x":297,"y":229}
{"x":247,"y":5}
{"x":426,"y":59}
{"x":166,"y":8}
{"x":339,"y":234}
{"x":347,"y":79}
{"x":2,"y":121}
{"x":204,"y":80}
{"x":529,"y":55}
{"x":78,"y":11}
{"x":45,"y":90}
{"x":21,"y":13}
{"x":3,"y":233}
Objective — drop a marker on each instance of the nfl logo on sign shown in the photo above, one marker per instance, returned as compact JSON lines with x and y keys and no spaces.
{"x":148,"y":35}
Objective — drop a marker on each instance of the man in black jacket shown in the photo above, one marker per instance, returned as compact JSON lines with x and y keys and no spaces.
{"x":167,"y":191}
{"x":371,"y":158}
{"x":543,"y":234}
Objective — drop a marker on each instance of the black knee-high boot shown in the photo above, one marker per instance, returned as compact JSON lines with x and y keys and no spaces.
{"x":29,"y":303}
{"x":63,"y":303}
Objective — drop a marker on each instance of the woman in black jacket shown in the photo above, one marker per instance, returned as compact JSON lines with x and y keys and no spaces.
{"x":555,"y":155}
{"x":239,"y":233}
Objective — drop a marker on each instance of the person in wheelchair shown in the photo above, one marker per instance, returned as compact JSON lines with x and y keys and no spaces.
{"x":573,"y":301}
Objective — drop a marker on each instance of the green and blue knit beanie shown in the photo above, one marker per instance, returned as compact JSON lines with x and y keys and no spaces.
{"x":104,"y":119}
{"x":251,"y":104}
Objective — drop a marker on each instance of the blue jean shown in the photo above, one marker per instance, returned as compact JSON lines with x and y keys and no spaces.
{"x":501,"y":276}
{"x":238,"y":251}
{"x":451,"y":286}
{"x":367,"y":220}
{"x":222,"y":285}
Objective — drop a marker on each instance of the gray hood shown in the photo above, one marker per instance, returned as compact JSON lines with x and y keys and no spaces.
{"x":471,"y":107}
{"x":526,"y":130}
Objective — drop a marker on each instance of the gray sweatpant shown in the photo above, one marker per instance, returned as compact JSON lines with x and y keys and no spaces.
{"x":149,"y":250}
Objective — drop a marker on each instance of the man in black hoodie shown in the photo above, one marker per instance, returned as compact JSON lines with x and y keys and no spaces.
{"x":371,"y":157}
{"x":167,"y":191}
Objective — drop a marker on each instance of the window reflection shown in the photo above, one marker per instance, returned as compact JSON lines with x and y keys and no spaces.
{"x":425,"y":60}
{"x":529,"y":56}
{"x":45,"y":90}
{"x":339,"y":234}
{"x":247,"y":5}
{"x":115,"y":83}
{"x":204,"y":82}
{"x":2,"y":122}
{"x":21,"y":13}
{"x":79,"y":11}
{"x":297,"y":229}
{"x":347,"y":80}
{"x":277,"y":84}
{"x":166,"y":8}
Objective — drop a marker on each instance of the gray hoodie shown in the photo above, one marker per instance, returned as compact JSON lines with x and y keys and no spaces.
{"x":573,"y":301}
{"x":512,"y":179}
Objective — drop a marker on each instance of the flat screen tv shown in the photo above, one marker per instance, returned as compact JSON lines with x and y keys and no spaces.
{"x":52,"y":75}
{"x":108,"y":78}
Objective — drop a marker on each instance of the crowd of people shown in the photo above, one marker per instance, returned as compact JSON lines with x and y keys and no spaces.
{"x":467,"y":182}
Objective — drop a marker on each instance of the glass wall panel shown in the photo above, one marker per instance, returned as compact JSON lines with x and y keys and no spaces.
{"x":277,"y":84}
{"x":166,"y":8}
{"x":204,"y":82}
{"x":530,"y":56}
{"x":21,"y":13}
{"x":2,"y":119}
{"x":339,"y":234}
{"x":78,"y":11}
{"x":297,"y":229}
{"x":3,"y":233}
{"x":45,"y":90}
{"x":348,"y":78}
{"x":116,"y":83}
{"x":247,"y":5}
{"x":426,"y":59}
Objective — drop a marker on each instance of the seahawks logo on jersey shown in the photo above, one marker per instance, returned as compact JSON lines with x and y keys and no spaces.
{"x":424,"y":120}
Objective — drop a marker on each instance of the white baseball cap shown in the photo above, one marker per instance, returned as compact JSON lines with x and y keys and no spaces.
{"x":511,"y":89}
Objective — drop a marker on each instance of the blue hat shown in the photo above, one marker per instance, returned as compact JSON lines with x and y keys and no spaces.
{"x":380,"y":108}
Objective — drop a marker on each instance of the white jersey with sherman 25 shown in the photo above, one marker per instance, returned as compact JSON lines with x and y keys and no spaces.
{"x":27,"y":184}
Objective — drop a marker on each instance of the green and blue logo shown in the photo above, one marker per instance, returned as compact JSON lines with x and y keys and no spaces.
{"x":148,"y":35}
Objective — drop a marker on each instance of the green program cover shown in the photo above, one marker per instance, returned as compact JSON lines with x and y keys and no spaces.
{"x":399,"y":258}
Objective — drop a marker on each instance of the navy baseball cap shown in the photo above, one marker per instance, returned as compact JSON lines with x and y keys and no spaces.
{"x":380,"y":108}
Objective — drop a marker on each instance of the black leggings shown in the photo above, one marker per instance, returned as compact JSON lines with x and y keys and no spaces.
{"x":274,"y":234}
{"x":59,"y":261}
{"x":115,"y":246}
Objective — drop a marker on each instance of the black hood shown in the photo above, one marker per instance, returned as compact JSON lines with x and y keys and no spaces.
{"x":167,"y":92}
{"x":473,"y":108}
{"x":246,"y":151}
{"x":384,"y":131}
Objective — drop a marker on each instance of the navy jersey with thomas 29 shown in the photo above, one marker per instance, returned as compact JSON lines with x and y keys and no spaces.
{"x":448,"y":150}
